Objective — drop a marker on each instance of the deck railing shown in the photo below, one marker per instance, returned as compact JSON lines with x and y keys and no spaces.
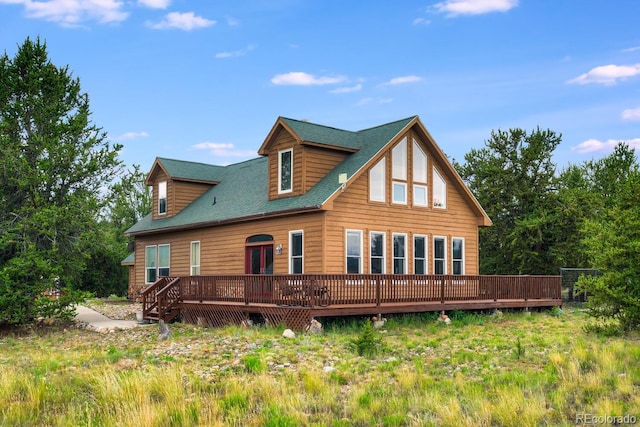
{"x":345,"y":289}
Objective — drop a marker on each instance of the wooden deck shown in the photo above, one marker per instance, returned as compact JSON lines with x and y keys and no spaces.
{"x":295,"y":299}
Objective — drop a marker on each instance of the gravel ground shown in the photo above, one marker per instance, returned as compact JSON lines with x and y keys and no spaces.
{"x":117,"y":310}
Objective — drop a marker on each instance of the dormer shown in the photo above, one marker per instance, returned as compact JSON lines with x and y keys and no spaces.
{"x":301,"y":154}
{"x":175,"y":184}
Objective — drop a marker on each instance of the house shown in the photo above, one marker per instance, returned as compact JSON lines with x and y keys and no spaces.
{"x":383,"y":200}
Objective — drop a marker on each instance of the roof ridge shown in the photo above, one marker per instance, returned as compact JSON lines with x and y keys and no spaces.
{"x":388,"y":124}
{"x":188,"y":161}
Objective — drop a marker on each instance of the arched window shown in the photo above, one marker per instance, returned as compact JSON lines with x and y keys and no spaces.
{"x":257,"y":238}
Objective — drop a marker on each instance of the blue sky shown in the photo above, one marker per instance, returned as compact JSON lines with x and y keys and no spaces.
{"x":206,"y":80}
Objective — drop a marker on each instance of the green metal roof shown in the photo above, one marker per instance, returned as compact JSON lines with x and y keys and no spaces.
{"x":242,"y":191}
{"x":179,"y":169}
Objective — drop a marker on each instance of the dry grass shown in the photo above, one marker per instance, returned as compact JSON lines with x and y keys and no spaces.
{"x":480,"y":370}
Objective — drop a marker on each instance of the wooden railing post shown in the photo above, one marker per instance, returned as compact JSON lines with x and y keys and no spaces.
{"x":441,"y":289}
{"x":378,"y":291}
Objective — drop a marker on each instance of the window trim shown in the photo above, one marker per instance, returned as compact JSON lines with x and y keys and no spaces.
{"x":191,"y":253}
{"x":168,"y":266}
{"x":346,"y":250}
{"x":384,"y":251}
{"x":461,"y":260}
{"x":426,"y":195}
{"x":291,"y":256}
{"x":444,"y":260}
{"x":404,"y":188}
{"x":162,"y":195}
{"x":401,"y":162}
{"x":153,"y":267}
{"x":418,"y":148}
{"x":382,"y":164}
{"x":425,"y":260}
{"x":404,"y":256}
{"x":290,"y":189}
{"x":442,"y":204}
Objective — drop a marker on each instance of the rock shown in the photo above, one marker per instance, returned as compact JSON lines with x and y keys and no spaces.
{"x":314,"y":327}
{"x":496,"y":313}
{"x":288,"y":333}
{"x":328,"y":369}
{"x":165,"y":333}
{"x":447,"y":321}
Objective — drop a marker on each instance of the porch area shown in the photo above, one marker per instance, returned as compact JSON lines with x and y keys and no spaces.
{"x":294,"y":300}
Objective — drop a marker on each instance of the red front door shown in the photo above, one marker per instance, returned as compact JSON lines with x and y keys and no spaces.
{"x":259,"y":260}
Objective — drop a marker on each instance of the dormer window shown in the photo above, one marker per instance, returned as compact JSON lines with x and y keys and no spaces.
{"x":285,"y":171}
{"x":162,"y":198}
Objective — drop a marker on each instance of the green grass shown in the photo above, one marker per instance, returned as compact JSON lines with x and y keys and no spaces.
{"x":541,"y":369}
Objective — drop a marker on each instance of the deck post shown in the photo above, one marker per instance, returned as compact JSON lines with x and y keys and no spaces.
{"x":378,"y":292}
{"x":442,"y":290}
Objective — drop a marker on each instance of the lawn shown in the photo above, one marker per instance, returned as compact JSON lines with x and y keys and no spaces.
{"x":515,"y":369}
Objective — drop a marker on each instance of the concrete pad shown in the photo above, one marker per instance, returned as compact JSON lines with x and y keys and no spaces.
{"x":100,"y":323}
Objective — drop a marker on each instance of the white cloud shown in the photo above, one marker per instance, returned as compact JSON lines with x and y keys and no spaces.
{"x":182,"y":21}
{"x":421,"y":21}
{"x":234,"y":54}
{"x":219,"y":149}
{"x":130,"y":135}
{"x":355,"y":88}
{"x":155,"y":4}
{"x":594,"y":145}
{"x":607,"y":74}
{"x":298,"y":78}
{"x":232,"y":22}
{"x":474,"y":7}
{"x":631,"y":114}
{"x":630,"y":49}
{"x":403,"y":80}
{"x":71,"y":13}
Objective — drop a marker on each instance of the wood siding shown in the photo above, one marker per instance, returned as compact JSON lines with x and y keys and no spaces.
{"x":318,"y":162}
{"x":160,"y":176}
{"x":284,"y":140}
{"x":186,"y":192}
{"x":352,"y":210}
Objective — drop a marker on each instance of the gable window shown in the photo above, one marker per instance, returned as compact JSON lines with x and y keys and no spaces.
{"x":156,"y":262}
{"x":285,"y":171}
{"x":377,"y":182}
{"x":457,"y":255}
{"x":195,"y":259}
{"x":439,"y":190}
{"x":376,"y":251}
{"x":295,"y":252}
{"x":419,"y":175}
{"x":162,"y":197}
{"x":439,"y":255}
{"x":399,"y":253}
{"x":419,"y":254}
{"x":354,"y":251}
{"x":399,"y":172}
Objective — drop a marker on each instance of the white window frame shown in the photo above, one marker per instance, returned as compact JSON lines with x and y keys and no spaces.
{"x":153,"y":261}
{"x":280,"y":189}
{"x":444,"y":252}
{"x":403,"y":257}
{"x":168,"y":266}
{"x":426,"y":195}
{"x":291,"y":255}
{"x":346,"y":247}
{"x":383,"y":258}
{"x":420,"y":170}
{"x":194,"y":267}
{"x":439,"y":200}
{"x":424,"y":259}
{"x":377,"y":181}
{"x":162,"y":195}
{"x":455,"y":260}
{"x":400,"y":196}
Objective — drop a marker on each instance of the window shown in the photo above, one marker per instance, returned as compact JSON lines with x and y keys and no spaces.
{"x":376,"y":250}
{"x":295,"y":252}
{"x":457,"y":255}
{"x":419,"y":176}
{"x":156,"y":262}
{"x":399,"y":172}
{"x":354,"y":251}
{"x":163,"y":260}
{"x":439,"y":255}
{"x":150,"y":263}
{"x":419,"y":254}
{"x":439,"y":191}
{"x":162,"y":197}
{"x":377,"y":189}
{"x":285,"y":170}
{"x":419,"y":195}
{"x":195,"y":258}
{"x":399,"y":253}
